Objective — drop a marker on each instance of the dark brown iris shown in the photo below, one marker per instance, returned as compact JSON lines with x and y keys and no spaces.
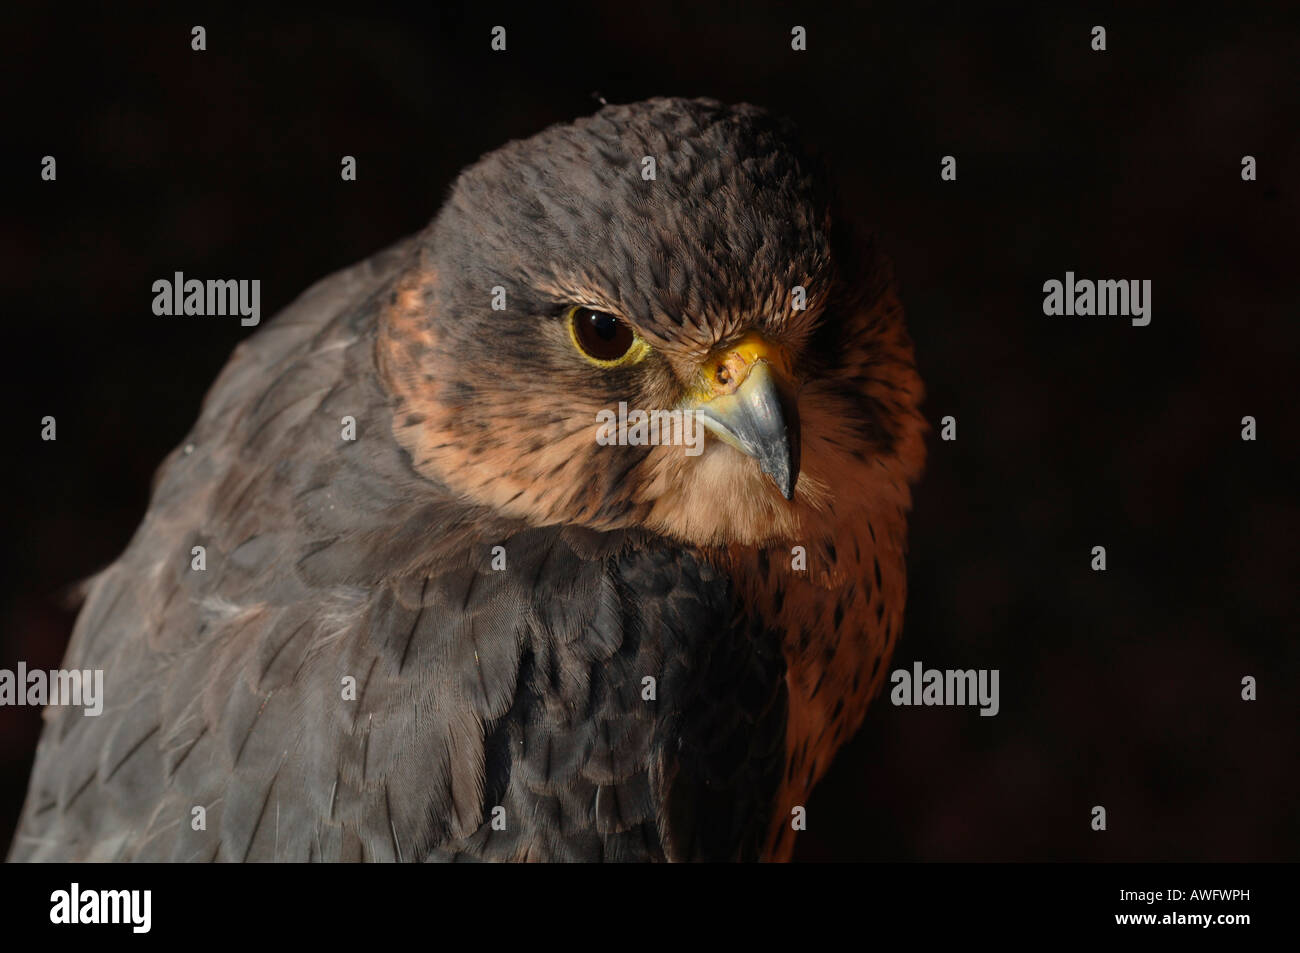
{"x":601,"y":336}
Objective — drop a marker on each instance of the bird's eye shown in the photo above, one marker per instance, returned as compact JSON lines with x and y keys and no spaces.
{"x":603,"y":338}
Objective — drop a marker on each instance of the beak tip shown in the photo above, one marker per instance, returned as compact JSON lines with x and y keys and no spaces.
{"x":782,"y":473}
{"x":761,"y":420}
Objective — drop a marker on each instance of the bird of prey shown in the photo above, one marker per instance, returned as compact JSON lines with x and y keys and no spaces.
{"x":435,"y":618}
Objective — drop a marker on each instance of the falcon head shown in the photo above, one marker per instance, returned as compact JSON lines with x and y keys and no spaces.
{"x":668,"y":255}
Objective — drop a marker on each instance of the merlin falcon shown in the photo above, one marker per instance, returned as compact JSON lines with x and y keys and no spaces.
{"x":435,"y":618}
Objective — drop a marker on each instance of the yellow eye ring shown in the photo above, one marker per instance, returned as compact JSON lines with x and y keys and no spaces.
{"x":604,"y":339}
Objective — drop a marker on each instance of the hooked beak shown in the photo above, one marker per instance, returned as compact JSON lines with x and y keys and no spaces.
{"x":754,"y":409}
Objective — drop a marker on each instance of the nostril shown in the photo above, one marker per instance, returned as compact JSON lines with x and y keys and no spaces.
{"x":731,"y":371}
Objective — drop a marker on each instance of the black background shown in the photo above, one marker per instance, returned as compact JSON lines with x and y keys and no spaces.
{"x":1119,"y":688}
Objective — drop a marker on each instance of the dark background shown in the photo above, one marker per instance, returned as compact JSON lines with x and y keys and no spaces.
{"x":1119,"y":688}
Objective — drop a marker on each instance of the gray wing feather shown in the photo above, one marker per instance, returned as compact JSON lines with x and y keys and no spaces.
{"x":329,"y":560}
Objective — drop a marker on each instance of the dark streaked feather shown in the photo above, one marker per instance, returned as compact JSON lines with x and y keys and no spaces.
{"x":475,"y":689}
